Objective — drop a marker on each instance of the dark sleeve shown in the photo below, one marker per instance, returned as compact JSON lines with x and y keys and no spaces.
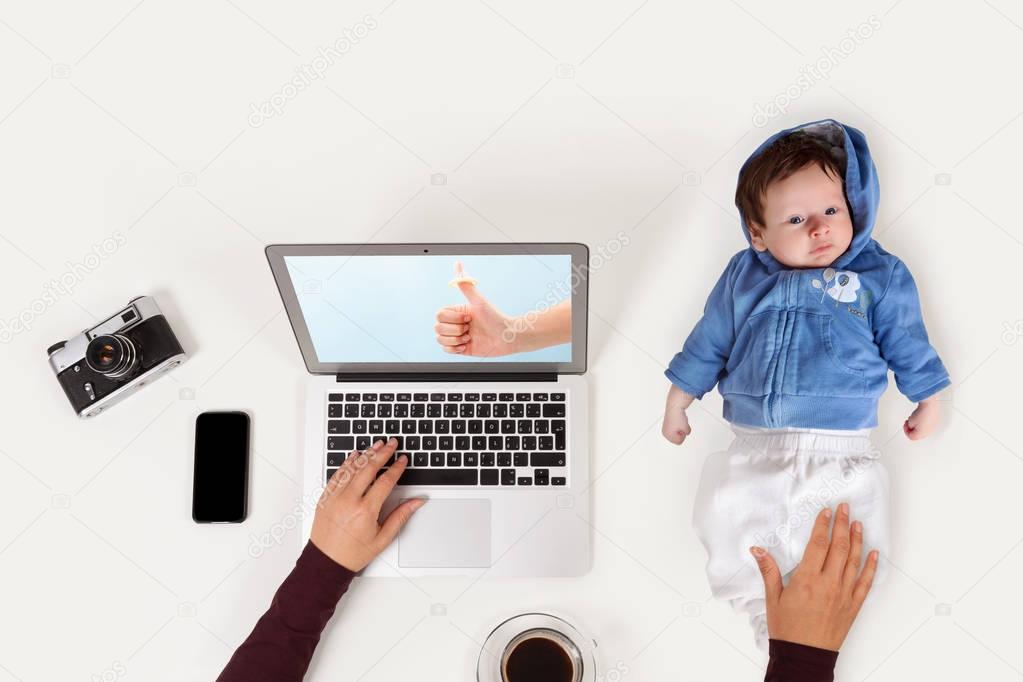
{"x":281,"y":645}
{"x":800,"y":663}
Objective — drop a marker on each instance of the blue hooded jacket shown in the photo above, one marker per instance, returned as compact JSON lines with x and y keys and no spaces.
{"x":811,"y":348}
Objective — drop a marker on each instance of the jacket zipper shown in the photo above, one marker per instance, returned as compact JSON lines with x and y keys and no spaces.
{"x":783,"y":323}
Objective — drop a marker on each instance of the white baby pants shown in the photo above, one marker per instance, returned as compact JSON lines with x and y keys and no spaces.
{"x":767,"y":489}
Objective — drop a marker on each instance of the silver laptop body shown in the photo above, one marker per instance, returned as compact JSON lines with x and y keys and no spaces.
{"x":364,"y":316}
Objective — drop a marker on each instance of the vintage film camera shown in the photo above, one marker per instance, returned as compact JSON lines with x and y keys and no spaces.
{"x":103,"y":365}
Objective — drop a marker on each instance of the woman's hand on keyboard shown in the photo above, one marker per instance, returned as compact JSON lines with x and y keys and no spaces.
{"x":346,"y":526}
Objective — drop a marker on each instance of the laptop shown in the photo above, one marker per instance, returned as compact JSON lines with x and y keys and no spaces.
{"x":472,"y":356}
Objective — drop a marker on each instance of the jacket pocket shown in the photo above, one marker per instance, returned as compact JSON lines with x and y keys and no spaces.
{"x":815,"y":365}
{"x":746,"y":371}
{"x":827,"y":337}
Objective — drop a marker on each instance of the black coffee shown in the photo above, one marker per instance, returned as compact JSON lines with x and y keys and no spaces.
{"x":539,"y":659}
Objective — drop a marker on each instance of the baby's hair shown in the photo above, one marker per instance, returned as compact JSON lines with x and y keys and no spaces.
{"x":785,"y":156}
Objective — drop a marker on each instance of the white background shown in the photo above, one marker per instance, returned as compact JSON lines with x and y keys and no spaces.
{"x":133,"y":118}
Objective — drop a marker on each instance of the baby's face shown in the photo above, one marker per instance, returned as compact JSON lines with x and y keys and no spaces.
{"x":807,"y":222}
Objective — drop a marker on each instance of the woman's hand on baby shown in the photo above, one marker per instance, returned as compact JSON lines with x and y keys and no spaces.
{"x":827,"y":588}
{"x":924,"y":419}
{"x":675,"y":426}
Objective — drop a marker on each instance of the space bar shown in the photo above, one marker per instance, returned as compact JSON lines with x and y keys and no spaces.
{"x":440,"y":477}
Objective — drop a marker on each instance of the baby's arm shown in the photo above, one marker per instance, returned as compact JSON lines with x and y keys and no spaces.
{"x":900,"y":334}
{"x":696,"y":369}
{"x":675,"y":426}
{"x":924,"y":419}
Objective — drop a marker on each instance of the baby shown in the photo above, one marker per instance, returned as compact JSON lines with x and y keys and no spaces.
{"x":798,"y":334}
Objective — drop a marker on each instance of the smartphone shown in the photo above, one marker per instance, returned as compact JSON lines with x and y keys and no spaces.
{"x":221,"y":470}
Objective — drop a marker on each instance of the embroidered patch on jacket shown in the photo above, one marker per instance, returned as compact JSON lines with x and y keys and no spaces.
{"x":844,"y":287}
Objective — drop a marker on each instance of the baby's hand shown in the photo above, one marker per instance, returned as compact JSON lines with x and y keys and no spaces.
{"x":676,"y":424}
{"x":923,"y":420}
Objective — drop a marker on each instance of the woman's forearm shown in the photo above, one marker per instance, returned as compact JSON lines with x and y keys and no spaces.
{"x":282,"y":643}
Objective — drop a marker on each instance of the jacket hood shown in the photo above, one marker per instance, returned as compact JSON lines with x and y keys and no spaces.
{"x":861,"y":185}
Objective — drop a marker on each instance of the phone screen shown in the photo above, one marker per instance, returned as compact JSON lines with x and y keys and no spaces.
{"x":221,"y":467}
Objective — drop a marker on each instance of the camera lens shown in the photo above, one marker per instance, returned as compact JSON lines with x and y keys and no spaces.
{"x":113,"y":355}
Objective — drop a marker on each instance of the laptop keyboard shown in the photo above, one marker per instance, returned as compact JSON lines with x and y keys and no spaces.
{"x":475,"y":439}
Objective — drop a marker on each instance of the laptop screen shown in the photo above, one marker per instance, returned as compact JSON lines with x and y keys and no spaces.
{"x":423,"y":307}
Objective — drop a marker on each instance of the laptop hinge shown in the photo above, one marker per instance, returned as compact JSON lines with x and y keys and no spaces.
{"x":460,"y":377}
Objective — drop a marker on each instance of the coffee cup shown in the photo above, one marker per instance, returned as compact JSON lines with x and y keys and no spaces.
{"x":541,"y":655}
{"x":537,"y":647}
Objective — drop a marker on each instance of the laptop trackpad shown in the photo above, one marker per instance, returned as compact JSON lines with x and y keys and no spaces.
{"x":447,"y":534}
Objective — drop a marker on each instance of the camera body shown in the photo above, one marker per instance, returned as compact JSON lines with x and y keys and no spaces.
{"x":103,"y":365}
